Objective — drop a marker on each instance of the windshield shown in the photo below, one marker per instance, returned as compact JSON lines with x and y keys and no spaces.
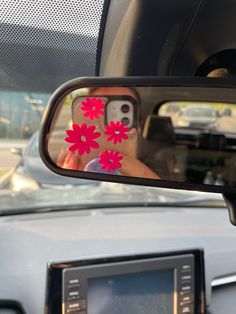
{"x":43,"y":45}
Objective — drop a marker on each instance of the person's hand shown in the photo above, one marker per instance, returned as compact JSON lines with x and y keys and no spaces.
{"x":135,"y":168}
{"x":69,"y":160}
{"x":129,"y":166}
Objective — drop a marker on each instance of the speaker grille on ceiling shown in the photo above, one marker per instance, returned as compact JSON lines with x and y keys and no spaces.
{"x":45,"y":43}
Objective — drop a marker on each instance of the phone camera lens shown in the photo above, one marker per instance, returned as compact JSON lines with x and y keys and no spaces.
{"x":125,"y":120}
{"x":125,"y":108}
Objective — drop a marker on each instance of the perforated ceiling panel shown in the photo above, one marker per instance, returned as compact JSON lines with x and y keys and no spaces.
{"x":45,"y":43}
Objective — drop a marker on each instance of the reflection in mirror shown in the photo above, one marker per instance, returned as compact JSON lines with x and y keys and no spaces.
{"x":130,"y":132}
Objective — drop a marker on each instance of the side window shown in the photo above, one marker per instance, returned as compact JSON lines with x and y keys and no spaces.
{"x":20,"y":113}
{"x":43,"y":45}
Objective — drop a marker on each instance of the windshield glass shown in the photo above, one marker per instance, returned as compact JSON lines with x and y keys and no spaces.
{"x":43,"y":45}
{"x":20,"y":114}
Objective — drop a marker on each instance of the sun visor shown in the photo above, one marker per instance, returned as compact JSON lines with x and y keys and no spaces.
{"x":143,"y":37}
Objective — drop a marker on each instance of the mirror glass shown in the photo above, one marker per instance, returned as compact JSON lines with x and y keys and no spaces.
{"x":137,"y":132}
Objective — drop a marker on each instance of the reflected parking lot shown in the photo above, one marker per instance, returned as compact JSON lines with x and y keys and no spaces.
{"x":206,"y":116}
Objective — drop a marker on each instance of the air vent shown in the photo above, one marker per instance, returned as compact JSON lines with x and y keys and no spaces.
{"x":223,"y":295}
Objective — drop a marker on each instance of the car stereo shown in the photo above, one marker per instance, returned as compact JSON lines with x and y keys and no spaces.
{"x":170,"y":284}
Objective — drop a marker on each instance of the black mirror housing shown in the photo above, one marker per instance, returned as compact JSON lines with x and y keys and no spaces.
{"x":142,"y":99}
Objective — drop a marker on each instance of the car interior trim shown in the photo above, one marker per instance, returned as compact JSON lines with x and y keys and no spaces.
{"x":223,"y":281}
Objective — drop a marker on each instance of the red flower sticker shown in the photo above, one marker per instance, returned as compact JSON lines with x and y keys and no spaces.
{"x":82,"y":137}
{"x":116,"y":131}
{"x":110,"y":160}
{"x":93,"y":107}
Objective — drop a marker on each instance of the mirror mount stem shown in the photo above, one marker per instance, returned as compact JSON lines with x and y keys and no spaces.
{"x":230,"y":200}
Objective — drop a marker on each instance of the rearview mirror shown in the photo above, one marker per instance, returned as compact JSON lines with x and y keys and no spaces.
{"x":168,"y":132}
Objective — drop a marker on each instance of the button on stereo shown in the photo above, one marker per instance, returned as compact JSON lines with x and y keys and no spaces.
{"x":186,"y":267}
{"x":186,"y":270}
{"x":76,"y":307}
{"x":72,"y":294}
{"x":186,"y":310}
{"x":185,"y":299}
{"x":186,"y":277}
{"x":186,"y":288}
{"x":73,"y":281}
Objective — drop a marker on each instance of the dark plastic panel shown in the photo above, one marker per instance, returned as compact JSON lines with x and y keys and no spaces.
{"x":213,"y":31}
{"x":144,"y":37}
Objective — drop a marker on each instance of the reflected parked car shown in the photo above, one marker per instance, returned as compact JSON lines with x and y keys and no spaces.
{"x":32,"y":174}
{"x":227,"y":112}
{"x":198,"y":117}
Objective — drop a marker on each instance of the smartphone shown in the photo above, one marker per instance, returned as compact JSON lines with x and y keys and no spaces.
{"x":117,"y":108}
{"x":125,"y":110}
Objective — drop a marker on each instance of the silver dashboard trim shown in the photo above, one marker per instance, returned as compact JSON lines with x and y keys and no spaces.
{"x":223,"y":281}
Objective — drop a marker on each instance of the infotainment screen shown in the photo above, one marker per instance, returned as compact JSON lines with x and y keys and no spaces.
{"x":170,"y":283}
{"x":139,"y":293}
{"x":144,"y":286}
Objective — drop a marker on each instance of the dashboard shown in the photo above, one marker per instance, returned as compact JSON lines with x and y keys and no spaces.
{"x":32,"y":243}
